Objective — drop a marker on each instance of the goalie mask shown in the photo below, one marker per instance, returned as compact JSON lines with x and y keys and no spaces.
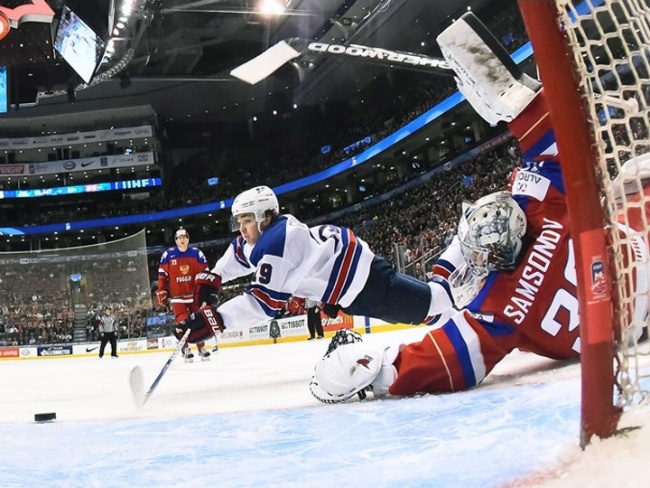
{"x":491,"y":232}
{"x":256,"y":201}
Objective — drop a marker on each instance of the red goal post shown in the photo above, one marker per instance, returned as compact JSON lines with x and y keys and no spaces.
{"x":593,"y":61}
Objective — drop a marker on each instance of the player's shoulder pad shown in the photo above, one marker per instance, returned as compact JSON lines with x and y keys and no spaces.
{"x":272,"y":241}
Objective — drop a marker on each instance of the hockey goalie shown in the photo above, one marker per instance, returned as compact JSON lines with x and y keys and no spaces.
{"x":510,"y":269}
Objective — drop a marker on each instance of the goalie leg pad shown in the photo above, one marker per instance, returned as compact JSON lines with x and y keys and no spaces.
{"x":349,"y":370}
{"x":342,"y":337}
{"x":492,"y":83}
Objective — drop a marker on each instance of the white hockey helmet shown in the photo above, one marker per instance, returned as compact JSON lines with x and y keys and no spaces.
{"x":181,"y":232}
{"x":491,"y":232}
{"x":256,"y":201}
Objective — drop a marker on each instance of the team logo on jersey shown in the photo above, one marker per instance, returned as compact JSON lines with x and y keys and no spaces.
{"x":34,"y":11}
{"x":184,"y":268}
{"x":173,"y":262}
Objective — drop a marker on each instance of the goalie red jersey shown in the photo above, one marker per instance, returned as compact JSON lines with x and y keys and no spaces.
{"x":176,"y":272}
{"x":533,"y":307}
{"x":511,"y":267}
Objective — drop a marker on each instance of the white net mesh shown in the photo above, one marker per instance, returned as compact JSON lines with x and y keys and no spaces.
{"x":610,"y":42}
{"x":46,"y":296}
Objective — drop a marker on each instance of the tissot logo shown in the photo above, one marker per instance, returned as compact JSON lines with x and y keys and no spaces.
{"x":91,"y":349}
{"x":34,"y":11}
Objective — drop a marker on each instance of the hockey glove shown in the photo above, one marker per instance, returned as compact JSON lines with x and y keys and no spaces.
{"x":162,"y":295}
{"x":206,"y":289}
{"x":203,"y":324}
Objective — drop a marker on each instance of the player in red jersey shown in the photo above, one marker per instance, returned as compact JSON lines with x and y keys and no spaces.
{"x":176,"y":284}
{"x":510,"y":269}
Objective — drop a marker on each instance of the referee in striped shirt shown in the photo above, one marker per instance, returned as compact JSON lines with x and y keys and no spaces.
{"x":108,"y":332}
{"x":314,"y":322}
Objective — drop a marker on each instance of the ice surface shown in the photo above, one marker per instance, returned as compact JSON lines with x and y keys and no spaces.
{"x":246,"y":418}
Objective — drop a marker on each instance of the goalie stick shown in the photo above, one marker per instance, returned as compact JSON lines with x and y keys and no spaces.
{"x":265,"y":64}
{"x":136,"y":379}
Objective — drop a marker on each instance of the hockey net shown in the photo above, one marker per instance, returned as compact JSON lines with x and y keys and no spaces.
{"x":606,"y":46}
{"x":45,"y":294}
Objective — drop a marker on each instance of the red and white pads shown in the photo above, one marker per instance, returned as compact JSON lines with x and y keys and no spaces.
{"x":485,"y":73}
{"x":351,"y":368}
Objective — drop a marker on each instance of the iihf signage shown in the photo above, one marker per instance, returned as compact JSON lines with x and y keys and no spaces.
{"x":34,"y":11}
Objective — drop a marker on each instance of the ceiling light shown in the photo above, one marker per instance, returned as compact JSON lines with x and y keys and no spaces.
{"x":272,"y":7}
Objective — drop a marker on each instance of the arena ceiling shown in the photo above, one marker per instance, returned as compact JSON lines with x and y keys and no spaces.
{"x":181,"y":52}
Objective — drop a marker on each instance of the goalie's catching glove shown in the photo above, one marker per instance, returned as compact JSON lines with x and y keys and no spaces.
{"x":203,"y":324}
{"x":206,"y":289}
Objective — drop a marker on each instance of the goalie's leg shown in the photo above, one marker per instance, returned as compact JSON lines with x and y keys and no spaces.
{"x":351,"y":369}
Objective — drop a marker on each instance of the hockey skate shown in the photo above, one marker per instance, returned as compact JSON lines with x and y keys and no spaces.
{"x":204,"y":354}
{"x":188,"y":355}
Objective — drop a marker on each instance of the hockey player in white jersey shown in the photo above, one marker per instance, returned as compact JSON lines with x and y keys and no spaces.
{"x":325,"y":263}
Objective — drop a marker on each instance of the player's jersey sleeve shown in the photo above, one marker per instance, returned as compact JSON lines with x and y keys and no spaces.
{"x":235,"y":261}
{"x":163,"y":271}
{"x":450,"y":259}
{"x":201,"y":260}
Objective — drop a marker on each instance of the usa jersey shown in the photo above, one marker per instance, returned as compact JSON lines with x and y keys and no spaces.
{"x":533,"y":308}
{"x":176,"y":272}
{"x":326,"y":263}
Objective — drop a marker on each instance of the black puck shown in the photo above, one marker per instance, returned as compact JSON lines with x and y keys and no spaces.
{"x":44,"y":417}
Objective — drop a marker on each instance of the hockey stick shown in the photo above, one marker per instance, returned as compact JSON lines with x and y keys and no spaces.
{"x":136,"y":379}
